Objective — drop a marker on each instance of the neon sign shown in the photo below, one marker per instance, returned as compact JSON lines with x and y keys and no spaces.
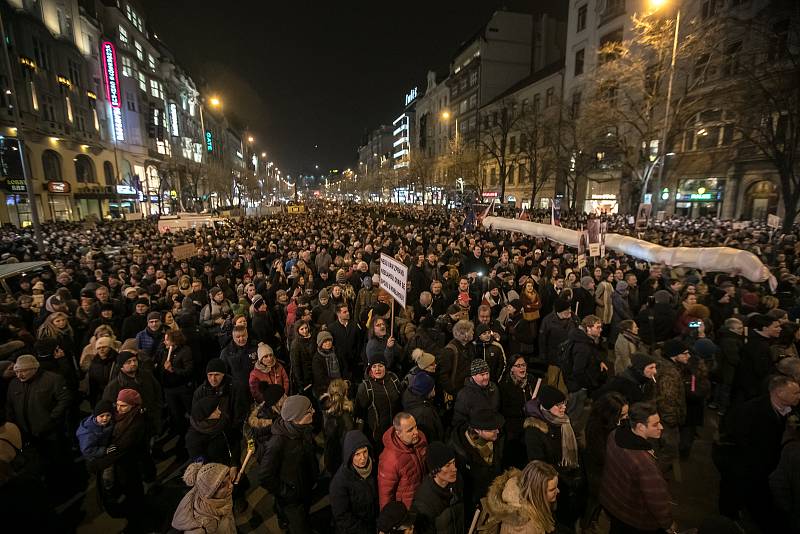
{"x":411,"y":96}
{"x":209,"y":141}
{"x":112,"y":88}
{"x":173,"y":119}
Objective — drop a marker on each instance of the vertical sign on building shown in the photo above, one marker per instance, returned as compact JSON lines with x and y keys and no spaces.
{"x":209,"y":141}
{"x":109,"y":54}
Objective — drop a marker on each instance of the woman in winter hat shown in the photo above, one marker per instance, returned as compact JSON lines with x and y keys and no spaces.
{"x":208,"y":507}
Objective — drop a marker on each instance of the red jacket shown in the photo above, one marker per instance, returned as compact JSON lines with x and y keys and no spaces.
{"x":400,"y":468}
{"x":277,"y":375}
{"x":633,"y":489}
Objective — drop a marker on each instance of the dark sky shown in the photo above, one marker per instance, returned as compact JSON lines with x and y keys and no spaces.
{"x":300,"y":73}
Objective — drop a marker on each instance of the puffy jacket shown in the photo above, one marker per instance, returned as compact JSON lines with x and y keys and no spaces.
{"x":354,"y":499}
{"x":38,"y":406}
{"x":494,"y":356}
{"x":276,"y":375}
{"x":377,"y":401}
{"x":439,"y":510}
{"x":240,"y":361}
{"x":93,"y":439}
{"x":585,"y":356}
{"x":473,"y":396}
{"x":400,"y":468}
{"x":149,"y":342}
{"x":425,"y":415}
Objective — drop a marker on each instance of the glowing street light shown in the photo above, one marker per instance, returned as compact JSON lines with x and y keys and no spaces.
{"x":445,"y":115}
{"x":263,"y":154}
{"x":250,"y":139}
{"x":215,"y":101}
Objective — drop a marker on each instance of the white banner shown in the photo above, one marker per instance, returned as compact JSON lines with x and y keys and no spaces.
{"x":393,"y":278}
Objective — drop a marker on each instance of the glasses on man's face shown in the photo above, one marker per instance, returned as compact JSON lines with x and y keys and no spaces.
{"x":520,"y":365}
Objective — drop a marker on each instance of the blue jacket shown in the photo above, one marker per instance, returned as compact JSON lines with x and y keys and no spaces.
{"x":93,"y":438}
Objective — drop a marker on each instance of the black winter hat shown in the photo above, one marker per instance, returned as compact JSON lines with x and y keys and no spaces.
{"x":124,"y":356}
{"x":271,"y":393}
{"x":215,"y":365}
{"x":550,"y":396}
{"x":393,"y":516}
{"x":673,"y":347}
{"x":561,"y":304}
{"x":485,"y":419}
{"x":103,"y":406}
{"x":439,"y":455}
{"x":640,"y":360}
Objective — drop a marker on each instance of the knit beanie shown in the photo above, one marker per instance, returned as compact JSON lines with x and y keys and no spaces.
{"x":271,"y":393}
{"x":421,"y":384}
{"x":26,"y":362}
{"x":673,"y":347}
{"x":215,"y":365}
{"x":206,"y":478}
{"x":129,"y":396}
{"x":323,"y":336}
{"x":422,"y":359}
{"x":376,"y":357}
{"x":103,"y":406}
{"x":561,"y":304}
{"x":258,"y":300}
{"x":439,"y":455}
{"x":478,"y":366}
{"x":549,"y":396}
{"x":263,"y":350}
{"x":294,"y":408}
{"x":640,"y":360}
{"x":124,"y":356}
{"x":323,"y":294}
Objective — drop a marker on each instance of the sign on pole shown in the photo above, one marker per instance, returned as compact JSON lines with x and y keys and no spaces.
{"x":773,"y":221}
{"x":593,"y":233}
{"x":393,"y":278}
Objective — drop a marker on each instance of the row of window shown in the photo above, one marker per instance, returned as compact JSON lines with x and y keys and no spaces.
{"x":84,"y":169}
{"x":515,"y":174}
{"x":141,"y":55}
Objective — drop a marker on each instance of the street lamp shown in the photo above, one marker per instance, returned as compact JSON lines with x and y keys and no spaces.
{"x":215,"y":101}
{"x":250,"y":139}
{"x":655,"y":5}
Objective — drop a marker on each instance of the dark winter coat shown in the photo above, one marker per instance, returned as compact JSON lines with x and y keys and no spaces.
{"x":473,"y":396}
{"x":729,"y":355}
{"x":512,"y":408}
{"x":785,"y":485}
{"x":100,"y":374}
{"x":425,"y":415}
{"x":494,"y":356}
{"x":240,"y":361}
{"x":478,"y":475}
{"x":39,"y":405}
{"x":631,"y":384}
{"x":347,"y":342}
{"x":182,"y":372}
{"x":697,"y":387}
{"x":452,"y":367}
{"x":263,"y":329}
{"x":302,"y":356}
{"x":234,"y":401}
{"x":439,"y":510}
{"x":586,"y":357}
{"x":149,"y":389}
{"x":553,"y":331}
{"x":542,"y":440}
{"x":321,"y":373}
{"x":633,"y":489}
{"x":354,"y":500}
{"x":670,"y":394}
{"x":133,"y":325}
{"x":377,"y":402}
{"x":755,"y":366}
{"x":657,"y":323}
{"x":289,"y":467}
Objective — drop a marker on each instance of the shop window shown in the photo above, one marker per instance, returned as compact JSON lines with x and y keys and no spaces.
{"x":84,"y":170}
{"x":51,"y":163}
{"x":108,"y":172}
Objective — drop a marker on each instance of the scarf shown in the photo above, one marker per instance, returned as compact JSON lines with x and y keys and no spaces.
{"x":264,"y":369}
{"x":196,"y":513}
{"x":484,"y":448}
{"x":569,"y":446}
{"x":331,"y":362}
{"x":366,"y":471}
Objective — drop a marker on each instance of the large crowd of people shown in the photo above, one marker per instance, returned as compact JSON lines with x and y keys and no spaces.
{"x":515,"y":392}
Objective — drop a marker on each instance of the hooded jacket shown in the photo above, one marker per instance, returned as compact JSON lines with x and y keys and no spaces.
{"x":586,"y":358}
{"x":505,"y":506}
{"x":400,"y":468}
{"x":93,"y":439}
{"x":289,"y":467}
{"x":425,"y":415}
{"x":552,"y":333}
{"x":354,"y":499}
{"x":439,"y":510}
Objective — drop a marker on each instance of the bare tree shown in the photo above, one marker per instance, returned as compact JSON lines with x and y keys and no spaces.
{"x":500,"y":125}
{"x":536,"y":157}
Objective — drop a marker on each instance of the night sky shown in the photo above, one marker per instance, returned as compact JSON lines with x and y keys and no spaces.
{"x":303,"y":73}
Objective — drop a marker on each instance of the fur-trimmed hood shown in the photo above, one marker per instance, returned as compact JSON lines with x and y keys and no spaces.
{"x":537,"y":423}
{"x":505,"y":506}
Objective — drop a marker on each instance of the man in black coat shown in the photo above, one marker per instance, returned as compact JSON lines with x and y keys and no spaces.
{"x":757,"y":430}
{"x":478,"y":392}
{"x":354,"y":488}
{"x":418,"y":401}
{"x":347,"y":340}
{"x":439,"y":501}
{"x":756,"y":363}
{"x":657,"y":322}
{"x":131,"y":376}
{"x":478,"y":447}
{"x":555,"y":329}
{"x":137,"y":322}
{"x":289,"y":467}
{"x":637,"y":383}
{"x":240,"y":357}
{"x":261,"y":325}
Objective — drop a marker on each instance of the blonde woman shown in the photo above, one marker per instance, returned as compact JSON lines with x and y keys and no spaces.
{"x":337,"y":420}
{"x":522,"y":502}
{"x":56,"y":327}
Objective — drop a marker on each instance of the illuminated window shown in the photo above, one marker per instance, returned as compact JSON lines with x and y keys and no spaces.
{"x":127,"y":67}
{"x":123,"y":35}
{"x":156,"y":90}
{"x":151,"y":62}
{"x":134,"y":17}
{"x":142,"y":81}
{"x":34,"y":98}
{"x":139,"y":51}
{"x":70,"y":117}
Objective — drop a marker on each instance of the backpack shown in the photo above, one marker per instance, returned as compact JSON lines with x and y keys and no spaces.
{"x":556,"y":374}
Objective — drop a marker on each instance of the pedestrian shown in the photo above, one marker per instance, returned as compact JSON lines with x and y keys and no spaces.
{"x":439,"y":503}
{"x":478,"y":392}
{"x":401,"y":465}
{"x":325,"y":365}
{"x":337,"y":420}
{"x":522,"y":502}
{"x":208,"y":507}
{"x":354,"y":489}
{"x":267,"y":369}
{"x":418,"y":401}
{"x":377,"y":400}
{"x":288,"y":469}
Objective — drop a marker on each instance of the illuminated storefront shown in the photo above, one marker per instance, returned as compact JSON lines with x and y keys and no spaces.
{"x":700,"y":197}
